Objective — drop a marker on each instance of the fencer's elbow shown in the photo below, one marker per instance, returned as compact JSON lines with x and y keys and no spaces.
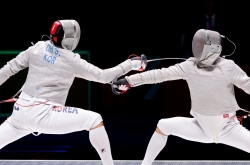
{"x":104,"y":80}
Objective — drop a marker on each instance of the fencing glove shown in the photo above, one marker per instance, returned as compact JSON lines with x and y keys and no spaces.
{"x":139,"y":63}
{"x":122,"y":84}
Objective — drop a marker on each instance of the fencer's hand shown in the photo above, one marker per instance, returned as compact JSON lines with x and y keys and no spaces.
{"x":136,"y":63}
{"x":139,"y":63}
{"x":122,"y":84}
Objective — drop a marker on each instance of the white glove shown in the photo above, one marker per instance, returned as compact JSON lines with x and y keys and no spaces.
{"x":139,"y":63}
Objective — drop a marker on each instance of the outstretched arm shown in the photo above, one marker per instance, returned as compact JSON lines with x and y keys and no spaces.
{"x":13,"y":66}
{"x":93,"y":73}
{"x":174,"y":72}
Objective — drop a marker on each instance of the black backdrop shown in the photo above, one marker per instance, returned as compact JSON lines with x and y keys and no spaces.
{"x":111,"y":32}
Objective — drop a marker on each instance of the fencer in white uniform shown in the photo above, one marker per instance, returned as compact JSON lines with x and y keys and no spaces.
{"x":52,"y":67}
{"x":211,"y":81}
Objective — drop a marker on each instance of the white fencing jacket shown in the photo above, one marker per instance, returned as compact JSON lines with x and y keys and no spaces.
{"x":52,"y":71}
{"x":211,"y":90}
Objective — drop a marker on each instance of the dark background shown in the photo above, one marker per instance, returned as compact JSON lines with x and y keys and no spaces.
{"x":111,"y":32}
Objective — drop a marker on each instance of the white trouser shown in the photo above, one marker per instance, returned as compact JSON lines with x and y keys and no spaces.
{"x":232,"y":134}
{"x":31,"y":116}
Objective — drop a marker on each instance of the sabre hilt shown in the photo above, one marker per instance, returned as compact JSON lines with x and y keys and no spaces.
{"x":144,"y":62}
{"x":115,"y":88}
{"x":139,"y":63}
{"x":143,"y":65}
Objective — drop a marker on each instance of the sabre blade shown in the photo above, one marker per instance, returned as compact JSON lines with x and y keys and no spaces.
{"x":166,"y":59}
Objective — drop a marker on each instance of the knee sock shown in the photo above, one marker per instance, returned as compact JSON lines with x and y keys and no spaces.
{"x":156,"y":144}
{"x":99,"y":139}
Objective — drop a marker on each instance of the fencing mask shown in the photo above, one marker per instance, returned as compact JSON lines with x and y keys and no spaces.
{"x":65,"y":34}
{"x":206,"y":47}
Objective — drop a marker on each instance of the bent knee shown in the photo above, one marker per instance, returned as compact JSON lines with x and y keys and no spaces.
{"x":97,"y":126}
{"x":159,"y":131}
{"x":164,"y":127}
{"x":96,"y":121}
